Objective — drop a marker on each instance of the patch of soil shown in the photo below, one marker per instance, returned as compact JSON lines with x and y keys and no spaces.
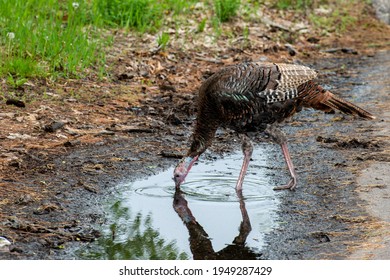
{"x":349,"y":143}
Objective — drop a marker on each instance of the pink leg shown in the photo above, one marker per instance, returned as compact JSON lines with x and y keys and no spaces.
{"x":293,"y":182}
{"x":247,"y":149}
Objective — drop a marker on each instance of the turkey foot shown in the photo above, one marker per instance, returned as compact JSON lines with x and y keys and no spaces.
{"x":293,"y":182}
{"x":290,"y":185}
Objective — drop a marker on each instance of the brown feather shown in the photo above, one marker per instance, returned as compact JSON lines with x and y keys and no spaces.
{"x":347,"y":107}
{"x":316,"y":97}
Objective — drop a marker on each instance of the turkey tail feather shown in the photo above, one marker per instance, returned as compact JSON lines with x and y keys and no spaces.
{"x":347,"y":107}
{"x":315,"y":96}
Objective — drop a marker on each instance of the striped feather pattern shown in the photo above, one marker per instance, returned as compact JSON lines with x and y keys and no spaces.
{"x":290,"y":78}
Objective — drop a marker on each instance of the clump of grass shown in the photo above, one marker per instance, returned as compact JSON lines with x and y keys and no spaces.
{"x":226,"y":9}
{"x":201,"y":25}
{"x":178,"y":6}
{"x":336,"y":21}
{"x":293,"y":4}
{"x":163,"y":40}
{"x":339,"y":17}
{"x":15,"y":82}
{"x":41,"y":38}
{"x":141,"y":15}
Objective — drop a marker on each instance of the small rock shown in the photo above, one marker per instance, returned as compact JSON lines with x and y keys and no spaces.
{"x":24,"y":199}
{"x":152,"y":110}
{"x":15,"y":102}
{"x":322,"y":237}
{"x":313,"y":40}
{"x":173,"y":119}
{"x":326,"y":139}
{"x":50,"y":94}
{"x":322,"y":11}
{"x":19,"y":136}
{"x":45,"y":209}
{"x":7,"y":115}
{"x":53,"y":126}
{"x":15,"y":163}
{"x":349,"y":50}
{"x":343,"y":50}
{"x":126,"y":76}
{"x":290,"y":49}
{"x":271,"y":49}
{"x":106,"y":132}
{"x":4,"y":242}
{"x":166,"y":87}
{"x":171,"y":154}
{"x":14,"y":249}
{"x":334,"y":50}
{"x":72,"y":143}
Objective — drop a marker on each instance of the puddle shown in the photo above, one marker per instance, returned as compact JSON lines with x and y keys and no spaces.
{"x":149,"y":221}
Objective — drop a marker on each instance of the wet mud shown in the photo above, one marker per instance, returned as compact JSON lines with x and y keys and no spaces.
{"x":94,"y":210}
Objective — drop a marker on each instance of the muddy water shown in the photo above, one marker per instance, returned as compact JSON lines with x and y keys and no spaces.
{"x":322,"y":219}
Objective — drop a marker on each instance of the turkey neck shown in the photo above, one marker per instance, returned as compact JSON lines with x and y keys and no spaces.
{"x":206,"y":125}
{"x":202,"y":137}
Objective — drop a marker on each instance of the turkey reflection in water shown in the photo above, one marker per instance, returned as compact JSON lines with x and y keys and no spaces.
{"x":208,"y":219}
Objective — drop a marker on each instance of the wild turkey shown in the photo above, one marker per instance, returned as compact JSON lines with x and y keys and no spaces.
{"x":251,"y":97}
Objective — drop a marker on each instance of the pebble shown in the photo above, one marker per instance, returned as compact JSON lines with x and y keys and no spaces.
{"x":4,"y":242}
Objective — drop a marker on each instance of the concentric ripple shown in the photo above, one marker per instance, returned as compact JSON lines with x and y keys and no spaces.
{"x":211,"y":181}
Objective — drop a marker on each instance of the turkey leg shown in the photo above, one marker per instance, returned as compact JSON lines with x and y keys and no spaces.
{"x":293,"y":181}
{"x":247,"y":149}
{"x":278,"y":136}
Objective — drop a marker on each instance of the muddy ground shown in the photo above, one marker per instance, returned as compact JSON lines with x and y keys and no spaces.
{"x":65,"y":145}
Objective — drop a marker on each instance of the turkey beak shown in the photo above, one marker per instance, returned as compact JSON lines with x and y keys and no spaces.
{"x":182,"y":170}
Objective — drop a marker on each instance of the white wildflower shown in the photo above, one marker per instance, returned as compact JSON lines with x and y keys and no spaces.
{"x":11,"y":35}
{"x":75,"y":5}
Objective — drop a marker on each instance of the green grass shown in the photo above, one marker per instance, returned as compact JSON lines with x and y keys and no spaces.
{"x":52,"y":38}
{"x":293,"y":4}
{"x":226,"y":9}
{"x":337,"y":20}
{"x":49,"y":38}
{"x":68,"y":38}
{"x":142,"y":15}
{"x":163,"y":40}
{"x":201,"y":25}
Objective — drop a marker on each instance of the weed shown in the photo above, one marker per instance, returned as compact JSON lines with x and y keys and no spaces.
{"x":163,"y":40}
{"x":178,"y":6}
{"x":293,"y":4}
{"x":201,"y":25}
{"x":216,"y":26}
{"x":142,"y":15}
{"x":15,"y":82}
{"x":226,"y":9}
{"x":338,"y":21}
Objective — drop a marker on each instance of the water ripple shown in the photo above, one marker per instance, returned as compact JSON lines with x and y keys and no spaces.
{"x":211,"y":181}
